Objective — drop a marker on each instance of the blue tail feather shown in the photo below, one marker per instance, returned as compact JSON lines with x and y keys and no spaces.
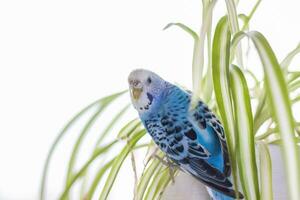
{"x":218,"y":196}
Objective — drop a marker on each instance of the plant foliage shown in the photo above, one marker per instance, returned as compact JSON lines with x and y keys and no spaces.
{"x":253,"y":117}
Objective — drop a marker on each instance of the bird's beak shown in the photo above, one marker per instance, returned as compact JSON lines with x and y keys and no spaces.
{"x":136,"y":93}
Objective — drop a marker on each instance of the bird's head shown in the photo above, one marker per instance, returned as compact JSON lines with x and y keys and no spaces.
{"x":146,"y":89}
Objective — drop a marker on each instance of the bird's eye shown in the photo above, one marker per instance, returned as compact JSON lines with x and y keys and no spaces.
{"x":149,"y":80}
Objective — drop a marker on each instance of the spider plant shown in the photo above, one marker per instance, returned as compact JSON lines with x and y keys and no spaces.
{"x":253,"y":117}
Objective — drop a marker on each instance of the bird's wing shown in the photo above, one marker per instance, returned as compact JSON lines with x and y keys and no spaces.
{"x":185,"y":150}
{"x":205,"y":119}
{"x":193,"y":158}
{"x":184,"y":143}
{"x":195,"y":161}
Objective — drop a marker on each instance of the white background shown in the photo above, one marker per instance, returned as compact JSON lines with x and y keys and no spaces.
{"x":58,"y":56}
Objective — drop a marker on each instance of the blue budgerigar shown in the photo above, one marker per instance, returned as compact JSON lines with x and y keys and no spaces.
{"x":193,"y":139}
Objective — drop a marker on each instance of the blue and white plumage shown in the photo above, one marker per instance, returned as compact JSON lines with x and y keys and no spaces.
{"x":194,"y":139}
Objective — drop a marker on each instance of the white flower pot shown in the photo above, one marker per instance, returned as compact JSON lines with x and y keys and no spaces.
{"x":186,"y":187}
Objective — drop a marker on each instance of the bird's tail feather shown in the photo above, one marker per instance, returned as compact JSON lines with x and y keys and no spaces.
{"x":217,"y":195}
{"x":220,"y":191}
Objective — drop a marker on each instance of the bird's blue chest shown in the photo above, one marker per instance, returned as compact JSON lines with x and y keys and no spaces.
{"x":167,"y":124}
{"x":166,"y":129}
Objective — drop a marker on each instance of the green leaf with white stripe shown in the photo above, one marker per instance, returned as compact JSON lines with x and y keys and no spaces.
{"x":97,"y":179}
{"x":84,"y":168}
{"x":111,"y":124}
{"x":207,"y":82}
{"x":183,"y":27}
{"x":265,"y":165}
{"x":146,"y":177}
{"x":158,"y":183}
{"x":288,"y":59}
{"x":234,"y":27}
{"x":277,"y":91}
{"x":220,"y":63}
{"x":253,"y":10}
{"x":105,"y":101}
{"x":198,"y":53}
{"x":245,"y":136}
{"x":129,"y":128}
{"x":118,"y":163}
